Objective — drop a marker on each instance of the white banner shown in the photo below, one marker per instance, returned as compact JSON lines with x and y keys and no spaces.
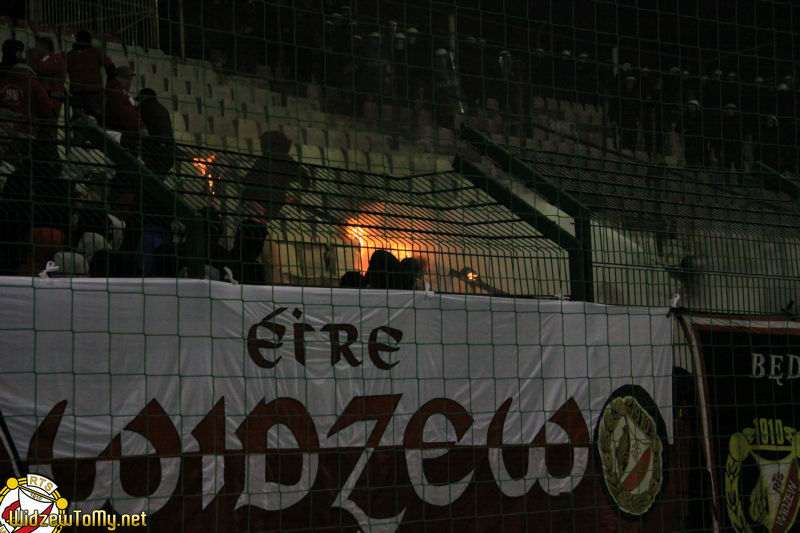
{"x":362,"y":366}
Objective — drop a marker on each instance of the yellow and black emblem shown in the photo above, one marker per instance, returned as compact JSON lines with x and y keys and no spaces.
{"x":773,"y":500}
{"x":631,"y":455}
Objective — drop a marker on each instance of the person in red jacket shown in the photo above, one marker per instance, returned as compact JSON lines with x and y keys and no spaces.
{"x":50,"y":67}
{"x":121,"y":113}
{"x":21,"y":92}
{"x":84,"y":64}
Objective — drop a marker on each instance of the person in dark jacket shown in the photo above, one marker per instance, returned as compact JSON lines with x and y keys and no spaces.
{"x":85,"y":64}
{"x":50,"y":67}
{"x":626,"y":111}
{"x":121,"y":113}
{"x":21,"y":92}
{"x":693,"y":134}
{"x":246,"y":251}
{"x":383,"y":271}
{"x":586,"y":80}
{"x":768,"y":143}
{"x":158,"y":148}
{"x":267,"y":184}
{"x":731,"y":137}
{"x":352,"y":280}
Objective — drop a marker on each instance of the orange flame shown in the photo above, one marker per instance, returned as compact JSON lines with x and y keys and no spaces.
{"x":204,"y":166}
{"x":369,"y":241}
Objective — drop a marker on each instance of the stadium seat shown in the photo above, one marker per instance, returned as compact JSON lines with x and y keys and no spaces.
{"x":310,"y":154}
{"x":298,"y":104}
{"x":184,"y":137}
{"x":292,"y":130}
{"x":314,"y":136}
{"x":179,"y":122}
{"x":224,"y":126}
{"x":357,"y":160}
{"x":401,"y":163}
{"x":5,"y":32}
{"x":337,"y":138}
{"x":196,"y":124}
{"x":260,"y":96}
{"x":443,"y":164}
{"x":188,"y":106}
{"x":225,"y":92}
{"x":380,"y":162}
{"x":335,"y":158}
{"x":423,"y":163}
{"x":360,"y":140}
{"x":447,"y":137}
{"x":247,"y":128}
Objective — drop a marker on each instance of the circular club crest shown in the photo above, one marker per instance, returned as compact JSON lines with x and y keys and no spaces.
{"x":631,"y":454}
{"x":31,"y":503}
{"x":762,"y":477}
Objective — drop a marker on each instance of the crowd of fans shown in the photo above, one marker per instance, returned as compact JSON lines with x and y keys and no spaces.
{"x":715,"y":115}
{"x":355,"y":62}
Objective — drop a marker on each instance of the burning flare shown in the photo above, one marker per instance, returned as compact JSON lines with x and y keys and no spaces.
{"x":204,"y":166}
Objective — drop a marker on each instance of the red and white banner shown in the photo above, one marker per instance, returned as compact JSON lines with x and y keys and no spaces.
{"x":243,"y":408}
{"x":747,"y":371}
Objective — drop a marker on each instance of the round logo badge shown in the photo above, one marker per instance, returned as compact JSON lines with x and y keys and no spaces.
{"x":31,"y":503}
{"x":630,"y":452}
{"x":762,"y":479}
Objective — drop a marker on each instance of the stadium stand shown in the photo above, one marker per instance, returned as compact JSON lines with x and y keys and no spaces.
{"x":570,"y":139}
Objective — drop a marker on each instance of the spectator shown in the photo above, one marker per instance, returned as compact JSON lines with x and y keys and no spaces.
{"x":120,"y":111}
{"x":165,"y":258}
{"x":370,"y":72}
{"x":420,"y":67}
{"x":626,"y":111}
{"x":768,"y":144}
{"x":50,"y":67}
{"x":410,"y":274}
{"x":352,"y":280}
{"x":565,"y":76}
{"x":766,"y":98}
{"x":503,"y":82}
{"x":268,"y":182}
{"x":448,"y":92}
{"x":469,"y":65}
{"x":399,"y":68}
{"x":671,"y":99}
{"x":652,"y":119}
{"x":786,"y":101}
{"x":84,"y":66}
{"x":586,"y":80}
{"x":731,"y":138}
{"x":712,"y":92}
{"x":246,"y":252}
{"x":214,"y":231}
{"x":542,"y":74}
{"x":671,"y":87}
{"x":751,"y":119}
{"x":21,"y":92}
{"x":158,"y":148}
{"x":731,"y":90}
{"x":693,"y":134}
{"x":689,"y":87}
{"x":383,"y":270}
